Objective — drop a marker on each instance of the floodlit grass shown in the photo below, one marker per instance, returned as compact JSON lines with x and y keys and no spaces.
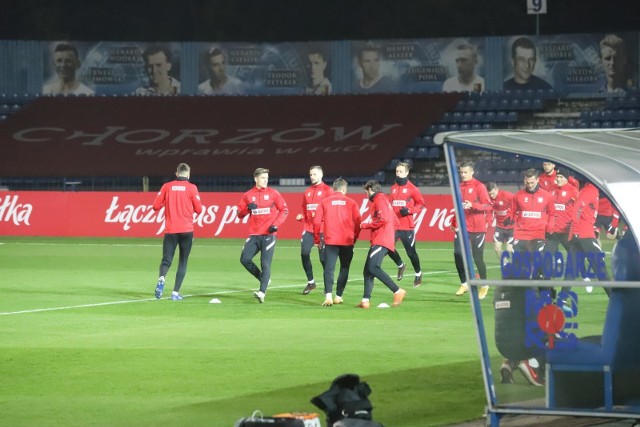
{"x":83,"y":342}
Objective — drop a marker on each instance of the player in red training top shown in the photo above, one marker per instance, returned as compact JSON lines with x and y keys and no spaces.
{"x":608,"y":218}
{"x":533,"y":215}
{"x":310,"y":200}
{"x":406,"y":201}
{"x":383,"y":236}
{"x":476,"y":205}
{"x":501,"y":202}
{"x":564,"y":197}
{"x":180,"y":200}
{"x":582,"y":235}
{"x":337,"y":223}
{"x":547,"y":178}
{"x":268,"y":211}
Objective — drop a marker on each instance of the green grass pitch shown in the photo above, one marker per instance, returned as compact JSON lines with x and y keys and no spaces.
{"x":85,"y":343}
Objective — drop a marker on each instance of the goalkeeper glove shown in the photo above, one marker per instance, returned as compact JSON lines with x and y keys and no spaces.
{"x":252,"y":206}
{"x":404,"y":211}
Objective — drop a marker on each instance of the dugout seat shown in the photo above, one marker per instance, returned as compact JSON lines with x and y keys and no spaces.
{"x":616,"y":350}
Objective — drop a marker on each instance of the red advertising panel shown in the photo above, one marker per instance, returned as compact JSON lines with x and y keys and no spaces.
{"x":111,"y":214}
{"x":217,"y":136}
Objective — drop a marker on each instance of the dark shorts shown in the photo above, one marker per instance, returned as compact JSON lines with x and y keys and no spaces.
{"x":503,"y":235}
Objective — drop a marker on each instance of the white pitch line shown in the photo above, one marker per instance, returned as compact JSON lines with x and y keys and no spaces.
{"x":100,"y":304}
{"x":155,"y":245}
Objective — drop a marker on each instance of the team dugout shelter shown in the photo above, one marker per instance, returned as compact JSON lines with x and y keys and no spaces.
{"x":585,"y":345}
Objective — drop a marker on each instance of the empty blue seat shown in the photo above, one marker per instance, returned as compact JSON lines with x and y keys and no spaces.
{"x":619,"y":114}
{"x":630,"y":102}
{"x":434,"y":153}
{"x":618,"y":124}
{"x":538,"y":104}
{"x":422,"y":153}
{"x":490,"y":116}
{"x":513,"y":176}
{"x":500,"y":176}
{"x":409,"y":152}
{"x":512,"y":116}
{"x":392,"y":164}
{"x":501,"y":116}
{"x":632,"y":114}
{"x":461,"y":105}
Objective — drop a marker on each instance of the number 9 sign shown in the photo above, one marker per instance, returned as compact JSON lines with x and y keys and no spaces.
{"x":536,"y":7}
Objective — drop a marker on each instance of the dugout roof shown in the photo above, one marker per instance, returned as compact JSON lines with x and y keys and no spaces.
{"x":609,"y":158}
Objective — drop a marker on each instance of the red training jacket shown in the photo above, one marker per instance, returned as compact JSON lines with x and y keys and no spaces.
{"x":338,"y":219}
{"x":533,"y":214}
{"x":502,"y":208}
{"x":180,"y":199}
{"x":272,"y":209}
{"x":606,"y":208}
{"x":548,"y":181}
{"x":564,"y":198}
{"x":585,"y":212}
{"x":310,"y":200}
{"x":383,"y":223}
{"x":476,"y":217}
{"x":406,"y":196}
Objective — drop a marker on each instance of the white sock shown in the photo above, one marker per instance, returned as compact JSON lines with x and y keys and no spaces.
{"x":174,"y":293}
{"x":327,"y":296}
{"x":161,"y":279}
{"x":365,"y":299}
{"x":419,"y":273}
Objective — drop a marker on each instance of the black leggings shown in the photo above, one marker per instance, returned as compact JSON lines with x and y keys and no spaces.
{"x":184,"y":241}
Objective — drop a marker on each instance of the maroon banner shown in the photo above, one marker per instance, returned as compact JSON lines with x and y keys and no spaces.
{"x":112,"y":214}
{"x":217,"y":136}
